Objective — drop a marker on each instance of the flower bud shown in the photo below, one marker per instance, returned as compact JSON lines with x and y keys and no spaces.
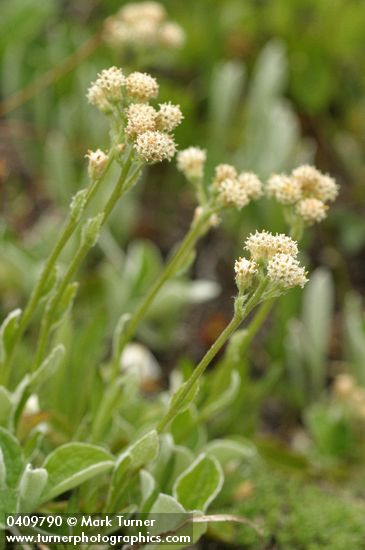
{"x":98,"y":161}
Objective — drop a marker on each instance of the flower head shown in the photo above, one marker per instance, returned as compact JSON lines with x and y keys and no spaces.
{"x":311,"y":210}
{"x":141,"y":86}
{"x":264,"y":245}
{"x":107,"y":89}
{"x":233,"y":193}
{"x":171,"y":35}
{"x":285,"y":271}
{"x":284,"y":189}
{"x":223,"y":172}
{"x":314,"y":184}
{"x":142,"y":24}
{"x":245,"y":271}
{"x":135,"y":11}
{"x":155,"y":146}
{"x":141,"y":118}
{"x":251,"y":184}
{"x":191,"y":162}
{"x":168,"y":117}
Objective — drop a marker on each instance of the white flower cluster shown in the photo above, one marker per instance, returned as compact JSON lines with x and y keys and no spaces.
{"x":107,"y":90}
{"x":128,"y":96}
{"x":151,"y":130}
{"x":263,"y":245}
{"x":235,"y":189}
{"x":143,"y":24}
{"x":155,"y":146}
{"x":191,"y":162}
{"x":275,"y":256}
{"x":245,"y":271}
{"x":285,"y":271}
{"x":306,"y":189}
{"x":141,"y":86}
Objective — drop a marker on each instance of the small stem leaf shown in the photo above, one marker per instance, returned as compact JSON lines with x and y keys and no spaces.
{"x":30,"y":488}
{"x":72,"y":464}
{"x":198,"y":486}
{"x":77,"y":205}
{"x":90,"y":231}
{"x":65,"y":304}
{"x":7,"y":333}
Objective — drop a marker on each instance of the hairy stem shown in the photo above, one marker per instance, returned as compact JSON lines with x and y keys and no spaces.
{"x":240,"y":314}
{"x":36,"y":294}
{"x":256,"y":323}
{"x":122,"y":185}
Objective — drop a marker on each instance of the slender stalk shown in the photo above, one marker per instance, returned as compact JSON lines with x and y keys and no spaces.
{"x":199,"y":370}
{"x":250,"y":332}
{"x":241,"y":312}
{"x":256,"y":323}
{"x":196,"y":230}
{"x":33,"y":302}
{"x":122,"y":185}
{"x":54,"y":302}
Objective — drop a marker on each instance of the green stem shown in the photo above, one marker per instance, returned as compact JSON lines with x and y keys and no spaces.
{"x":36,"y":295}
{"x":197,"y":229}
{"x":199,"y":370}
{"x":250,"y":332}
{"x":120,"y":188}
{"x":241,"y":312}
{"x":256,"y":323}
